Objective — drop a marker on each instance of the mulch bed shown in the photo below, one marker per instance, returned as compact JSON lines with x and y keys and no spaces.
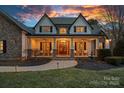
{"x":94,"y":65}
{"x":31,"y":62}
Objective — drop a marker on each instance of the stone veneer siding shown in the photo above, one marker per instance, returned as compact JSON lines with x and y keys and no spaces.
{"x":13,"y":36}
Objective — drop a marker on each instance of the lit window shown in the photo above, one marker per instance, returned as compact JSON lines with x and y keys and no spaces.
{"x":45,"y":28}
{"x":80,"y":29}
{"x":100,"y":45}
{"x":2,"y":47}
{"x":63,"y":30}
{"x":85,"y":45}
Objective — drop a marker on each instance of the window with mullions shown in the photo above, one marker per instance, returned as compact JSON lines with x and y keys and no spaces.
{"x":80,"y":29}
{"x":45,"y":28}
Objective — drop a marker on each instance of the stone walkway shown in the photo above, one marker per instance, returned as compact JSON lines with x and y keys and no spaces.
{"x":54,"y":64}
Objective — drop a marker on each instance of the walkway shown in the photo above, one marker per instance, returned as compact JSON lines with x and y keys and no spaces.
{"x":54,"y":64}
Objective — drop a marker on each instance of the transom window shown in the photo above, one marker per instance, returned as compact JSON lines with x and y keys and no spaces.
{"x":2,"y":46}
{"x":80,"y":29}
{"x":62,"y":30}
{"x":45,"y":28}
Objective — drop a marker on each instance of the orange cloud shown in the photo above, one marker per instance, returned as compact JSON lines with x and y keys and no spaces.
{"x":90,"y":6}
{"x":88,"y":11}
{"x":93,"y":13}
{"x":72,"y":11}
{"x":53,"y":14}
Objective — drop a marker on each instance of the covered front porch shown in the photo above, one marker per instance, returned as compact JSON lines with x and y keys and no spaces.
{"x":63,"y":46}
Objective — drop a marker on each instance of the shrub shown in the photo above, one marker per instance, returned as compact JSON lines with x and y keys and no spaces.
{"x":29,"y":52}
{"x":102,"y":53}
{"x":119,"y":48}
{"x":115,"y":60}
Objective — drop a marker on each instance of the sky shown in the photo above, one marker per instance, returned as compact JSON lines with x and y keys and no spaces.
{"x":30,"y":14}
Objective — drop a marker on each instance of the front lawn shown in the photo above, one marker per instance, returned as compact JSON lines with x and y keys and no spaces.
{"x":71,"y":77}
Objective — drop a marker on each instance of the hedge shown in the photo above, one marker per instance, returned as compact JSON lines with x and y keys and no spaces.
{"x":119,"y":48}
{"x":102,"y":53}
{"x":115,"y":60}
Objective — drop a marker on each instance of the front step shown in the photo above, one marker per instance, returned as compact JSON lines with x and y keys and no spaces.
{"x":63,"y":58}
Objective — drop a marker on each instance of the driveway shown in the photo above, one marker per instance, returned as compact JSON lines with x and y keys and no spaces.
{"x":53,"y":64}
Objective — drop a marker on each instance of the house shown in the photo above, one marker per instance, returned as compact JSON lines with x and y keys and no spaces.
{"x":65,"y":37}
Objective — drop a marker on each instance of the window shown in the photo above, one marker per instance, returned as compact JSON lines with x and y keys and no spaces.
{"x":101,"y":45}
{"x":85,"y":45}
{"x":75,"y":45}
{"x":41,"y":46}
{"x":62,"y":30}
{"x":2,"y":46}
{"x":45,"y":28}
{"x":80,"y":29}
{"x":50,"y":44}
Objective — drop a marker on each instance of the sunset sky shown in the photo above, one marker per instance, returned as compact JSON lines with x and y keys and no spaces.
{"x":29,"y":15}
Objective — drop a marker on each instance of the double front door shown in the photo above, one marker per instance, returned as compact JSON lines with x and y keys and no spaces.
{"x":63,"y":47}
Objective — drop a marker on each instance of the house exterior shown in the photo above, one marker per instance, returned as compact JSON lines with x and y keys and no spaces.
{"x":58,"y":37}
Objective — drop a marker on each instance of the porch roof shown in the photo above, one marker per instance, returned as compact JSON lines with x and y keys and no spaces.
{"x":67,"y":35}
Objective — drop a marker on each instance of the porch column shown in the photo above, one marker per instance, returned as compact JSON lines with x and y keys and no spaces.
{"x":97,"y":44}
{"x":54,"y":47}
{"x":72,"y":48}
{"x":29,"y":48}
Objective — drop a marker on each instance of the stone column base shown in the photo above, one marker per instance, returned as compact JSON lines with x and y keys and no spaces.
{"x":54,"y":53}
{"x":72,"y":53}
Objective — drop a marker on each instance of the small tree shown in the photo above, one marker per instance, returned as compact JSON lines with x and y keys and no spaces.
{"x":119,"y":48}
{"x":93,"y":22}
{"x":113,"y":16}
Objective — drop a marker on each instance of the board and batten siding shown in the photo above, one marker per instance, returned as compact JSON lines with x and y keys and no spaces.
{"x":45,"y":22}
{"x":80,"y":22}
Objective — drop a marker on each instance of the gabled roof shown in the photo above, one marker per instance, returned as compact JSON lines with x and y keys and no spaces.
{"x":80,"y":15}
{"x":62,"y":21}
{"x":98,"y":30}
{"x":45,"y":15}
{"x":15,"y":21}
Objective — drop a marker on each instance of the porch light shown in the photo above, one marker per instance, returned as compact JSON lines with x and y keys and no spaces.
{"x":110,"y":40}
{"x":63,"y":41}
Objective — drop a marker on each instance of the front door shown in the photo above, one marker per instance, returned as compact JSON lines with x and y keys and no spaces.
{"x":63,"y":47}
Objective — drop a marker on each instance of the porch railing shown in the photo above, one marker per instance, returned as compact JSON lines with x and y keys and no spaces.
{"x":39,"y":53}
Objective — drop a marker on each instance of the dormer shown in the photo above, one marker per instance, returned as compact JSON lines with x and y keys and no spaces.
{"x":80,"y":26}
{"x":45,"y":26}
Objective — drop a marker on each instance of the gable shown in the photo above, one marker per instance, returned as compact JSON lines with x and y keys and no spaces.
{"x":45,"y":21}
{"x":80,"y":21}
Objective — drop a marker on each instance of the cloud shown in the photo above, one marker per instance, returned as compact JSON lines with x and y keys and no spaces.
{"x":32,"y":12}
{"x":95,"y":13}
{"x":90,"y":6}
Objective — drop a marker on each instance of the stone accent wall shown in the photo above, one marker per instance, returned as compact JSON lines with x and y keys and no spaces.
{"x":13,"y":36}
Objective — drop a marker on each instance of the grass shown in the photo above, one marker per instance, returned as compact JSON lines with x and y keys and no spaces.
{"x":71,"y":77}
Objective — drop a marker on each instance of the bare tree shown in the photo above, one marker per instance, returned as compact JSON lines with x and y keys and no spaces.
{"x":113,"y":26}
